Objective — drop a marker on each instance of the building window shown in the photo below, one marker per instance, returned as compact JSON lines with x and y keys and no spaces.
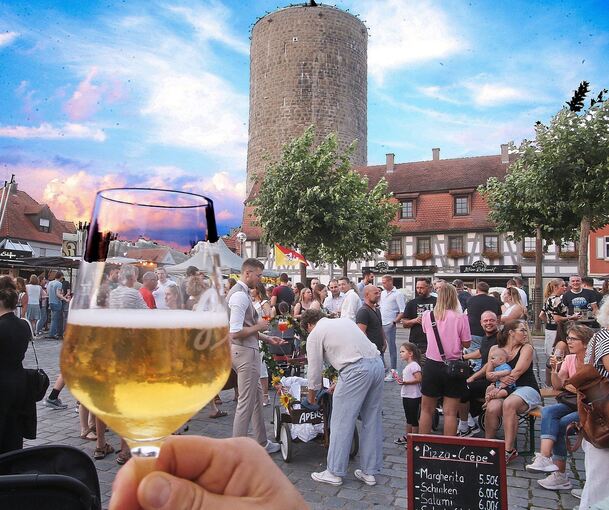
{"x":42,"y":252}
{"x":395,"y":246}
{"x":568,"y":250}
{"x":262,"y":250}
{"x":529,"y":244}
{"x":44,"y":225}
{"x":455,"y":244}
{"x":406,"y":209}
{"x":461,"y":205}
{"x":423,"y":245}
{"x":491,"y":244}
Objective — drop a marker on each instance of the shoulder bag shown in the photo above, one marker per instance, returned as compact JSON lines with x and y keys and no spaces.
{"x":592,"y":402}
{"x":454,"y":368}
{"x":37,"y":381}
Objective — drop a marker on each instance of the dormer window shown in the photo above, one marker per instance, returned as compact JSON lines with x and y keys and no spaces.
{"x":44,"y":225}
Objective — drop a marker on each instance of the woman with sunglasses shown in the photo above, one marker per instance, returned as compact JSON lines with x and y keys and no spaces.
{"x":555,"y":418}
{"x":516,"y":340}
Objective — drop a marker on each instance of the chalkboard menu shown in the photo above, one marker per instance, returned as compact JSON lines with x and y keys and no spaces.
{"x":456,"y":473}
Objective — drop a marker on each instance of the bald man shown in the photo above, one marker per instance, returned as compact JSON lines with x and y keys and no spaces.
{"x":368,"y":317}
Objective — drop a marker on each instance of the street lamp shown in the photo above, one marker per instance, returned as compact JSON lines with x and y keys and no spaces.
{"x":241,"y":237}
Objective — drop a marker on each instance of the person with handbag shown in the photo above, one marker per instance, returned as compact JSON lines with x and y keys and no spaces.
{"x":14,"y":340}
{"x":445,"y":371}
{"x":516,"y":340}
{"x":592,"y":383}
{"x":555,"y":418}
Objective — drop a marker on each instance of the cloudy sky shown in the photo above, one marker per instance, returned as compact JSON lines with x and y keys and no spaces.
{"x":152,"y":92}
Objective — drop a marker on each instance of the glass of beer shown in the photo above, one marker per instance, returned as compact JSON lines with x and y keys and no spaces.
{"x":143,"y":365}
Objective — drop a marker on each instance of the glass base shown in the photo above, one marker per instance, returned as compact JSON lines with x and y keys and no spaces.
{"x":145,"y":449}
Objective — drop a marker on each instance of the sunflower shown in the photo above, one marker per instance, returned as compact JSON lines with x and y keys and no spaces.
{"x":275,"y":380}
{"x":285,"y":400}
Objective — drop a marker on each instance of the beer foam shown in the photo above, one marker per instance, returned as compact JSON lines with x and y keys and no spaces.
{"x":140,"y":319}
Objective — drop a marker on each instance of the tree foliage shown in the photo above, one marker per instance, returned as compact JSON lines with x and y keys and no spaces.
{"x":311,"y":199}
{"x":562,"y":176}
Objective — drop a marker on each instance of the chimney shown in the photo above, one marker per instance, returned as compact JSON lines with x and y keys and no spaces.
{"x":389,"y":165}
{"x":505,"y":157}
{"x":435,"y":153}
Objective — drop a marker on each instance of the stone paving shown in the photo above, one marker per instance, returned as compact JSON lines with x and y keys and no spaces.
{"x":62,"y":427}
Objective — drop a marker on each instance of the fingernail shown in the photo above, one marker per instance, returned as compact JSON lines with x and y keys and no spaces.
{"x":156,"y":491}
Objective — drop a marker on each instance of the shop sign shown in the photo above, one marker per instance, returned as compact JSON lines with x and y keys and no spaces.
{"x":13,"y":254}
{"x":384,"y":268}
{"x":481,"y":267}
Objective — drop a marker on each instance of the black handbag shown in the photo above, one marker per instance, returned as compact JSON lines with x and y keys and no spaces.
{"x":37,"y":381}
{"x":567,"y":398}
{"x":454,"y":368}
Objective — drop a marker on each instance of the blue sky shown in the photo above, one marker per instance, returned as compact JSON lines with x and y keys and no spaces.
{"x":99,"y":94}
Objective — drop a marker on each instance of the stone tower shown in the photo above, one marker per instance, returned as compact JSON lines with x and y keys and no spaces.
{"x":308,"y":65}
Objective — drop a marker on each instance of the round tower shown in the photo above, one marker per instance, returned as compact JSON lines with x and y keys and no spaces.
{"x":308,"y":65}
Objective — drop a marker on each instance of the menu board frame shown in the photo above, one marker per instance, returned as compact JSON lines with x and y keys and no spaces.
{"x":415,"y":440}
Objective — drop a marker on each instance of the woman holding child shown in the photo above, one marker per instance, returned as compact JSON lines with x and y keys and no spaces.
{"x":556,"y":418}
{"x":515,"y":340}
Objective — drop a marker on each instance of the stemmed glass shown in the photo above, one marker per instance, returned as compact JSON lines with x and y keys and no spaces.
{"x":282,"y":325}
{"x":145,"y":371}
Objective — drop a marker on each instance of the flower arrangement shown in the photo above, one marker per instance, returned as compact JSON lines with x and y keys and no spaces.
{"x":285,"y":399}
{"x":423,"y":256}
{"x":491,"y":254}
{"x":456,"y":254}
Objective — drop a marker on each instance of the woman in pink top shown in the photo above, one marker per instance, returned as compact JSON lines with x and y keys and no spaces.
{"x":455,"y":334}
{"x":555,"y":419}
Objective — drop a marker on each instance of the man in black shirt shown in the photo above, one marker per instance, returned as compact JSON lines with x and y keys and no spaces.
{"x":368,"y":317}
{"x":463,"y":295}
{"x":477,"y":382}
{"x":414,"y":311}
{"x":579,"y":299}
{"x":476,"y":306}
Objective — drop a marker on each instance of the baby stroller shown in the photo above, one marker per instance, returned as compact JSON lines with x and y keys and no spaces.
{"x":48,"y":477}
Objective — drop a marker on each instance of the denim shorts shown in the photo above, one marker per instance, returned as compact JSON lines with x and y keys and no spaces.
{"x":530,"y":395}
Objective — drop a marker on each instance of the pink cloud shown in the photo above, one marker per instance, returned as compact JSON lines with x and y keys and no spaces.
{"x":88,"y":96}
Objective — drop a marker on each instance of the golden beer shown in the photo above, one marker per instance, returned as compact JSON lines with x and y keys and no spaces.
{"x":145,"y":372}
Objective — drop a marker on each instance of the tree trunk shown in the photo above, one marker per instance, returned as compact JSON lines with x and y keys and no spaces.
{"x":537,"y":290}
{"x":345,"y":267}
{"x":584,"y":234}
{"x":303,"y":274}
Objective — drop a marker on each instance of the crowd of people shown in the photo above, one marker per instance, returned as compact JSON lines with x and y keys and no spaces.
{"x":352,"y":327}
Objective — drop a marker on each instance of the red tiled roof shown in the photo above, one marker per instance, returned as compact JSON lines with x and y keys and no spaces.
{"x":152,"y":254}
{"x":18,"y":223}
{"x":231,"y":240}
{"x":432,"y":180}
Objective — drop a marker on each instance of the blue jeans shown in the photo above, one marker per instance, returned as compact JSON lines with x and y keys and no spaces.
{"x":42,"y":322}
{"x":390,"y":330}
{"x":554,"y":422}
{"x":56,"y":319}
{"x":359,"y":392}
{"x":474,"y":346}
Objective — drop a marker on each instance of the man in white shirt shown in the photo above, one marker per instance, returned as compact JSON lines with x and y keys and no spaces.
{"x":358,"y":392}
{"x":392,"y":308}
{"x":159,"y":292}
{"x":245,"y":329}
{"x":334,"y":301}
{"x":351,"y":302}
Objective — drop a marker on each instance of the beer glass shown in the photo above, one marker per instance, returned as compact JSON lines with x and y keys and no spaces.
{"x":145,"y":370}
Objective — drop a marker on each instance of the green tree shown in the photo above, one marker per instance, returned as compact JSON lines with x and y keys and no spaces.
{"x":311,"y":199}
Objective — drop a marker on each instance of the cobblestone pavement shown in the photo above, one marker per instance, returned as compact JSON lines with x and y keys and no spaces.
{"x":61,"y":427}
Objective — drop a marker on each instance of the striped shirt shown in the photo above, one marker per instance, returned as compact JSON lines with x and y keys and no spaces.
{"x":600,"y":341}
{"x":126,"y":297}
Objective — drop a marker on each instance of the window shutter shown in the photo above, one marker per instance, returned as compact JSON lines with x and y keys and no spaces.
{"x":600,"y":247}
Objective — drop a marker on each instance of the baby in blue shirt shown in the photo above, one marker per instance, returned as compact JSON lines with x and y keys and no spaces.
{"x":497,"y":360}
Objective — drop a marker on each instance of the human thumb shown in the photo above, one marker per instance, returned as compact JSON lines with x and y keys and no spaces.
{"x":161,"y":491}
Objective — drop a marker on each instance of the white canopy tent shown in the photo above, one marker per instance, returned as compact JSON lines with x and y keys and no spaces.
{"x":229,"y":261}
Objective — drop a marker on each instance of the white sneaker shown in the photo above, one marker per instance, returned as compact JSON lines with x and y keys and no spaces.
{"x":556,"y":481}
{"x":367,"y":479}
{"x":327,"y":477}
{"x":542,"y":464}
{"x":577,"y":493}
{"x":388,"y":377}
{"x":272,"y":447}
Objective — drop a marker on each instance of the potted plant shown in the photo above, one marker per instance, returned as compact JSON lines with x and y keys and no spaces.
{"x":491,"y":254}
{"x":456,"y":254}
{"x":394,"y":256}
{"x":423,"y":256}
